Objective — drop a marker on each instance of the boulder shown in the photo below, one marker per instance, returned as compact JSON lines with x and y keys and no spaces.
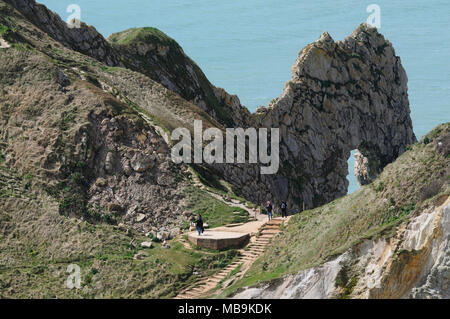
{"x":101,"y":182}
{"x":138,"y":256}
{"x":146,"y":244}
{"x":140,"y":217}
{"x":142,"y":162}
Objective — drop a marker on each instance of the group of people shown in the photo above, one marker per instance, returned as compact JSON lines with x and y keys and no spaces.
{"x":283,"y":206}
{"x":269,"y":209}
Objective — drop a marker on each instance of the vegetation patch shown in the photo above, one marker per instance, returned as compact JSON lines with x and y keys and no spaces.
{"x":214,"y":212}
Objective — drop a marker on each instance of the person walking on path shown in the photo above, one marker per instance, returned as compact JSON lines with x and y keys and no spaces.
{"x":269,"y":210}
{"x":283,"y":207}
{"x":199,"y":225}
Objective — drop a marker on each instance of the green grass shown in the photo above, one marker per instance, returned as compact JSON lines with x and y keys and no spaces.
{"x":215,"y":184}
{"x":110,"y":69}
{"x":3,"y":29}
{"x":214,"y":212}
{"x":146,"y":35}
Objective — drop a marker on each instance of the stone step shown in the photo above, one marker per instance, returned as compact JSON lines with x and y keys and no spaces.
{"x":263,"y":241}
{"x":230,"y":267}
{"x":216,"y":279}
{"x":200,"y":283}
{"x":264,"y":236}
{"x":269,"y":236}
{"x":254,"y":249}
{"x":270,"y":228}
{"x":227,"y":271}
{"x":187,"y":295}
{"x":269,"y":231}
{"x":249,"y":257}
{"x":250,"y":251}
{"x":223,"y":273}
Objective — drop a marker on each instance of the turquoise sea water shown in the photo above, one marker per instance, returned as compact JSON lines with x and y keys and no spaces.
{"x":248,"y":47}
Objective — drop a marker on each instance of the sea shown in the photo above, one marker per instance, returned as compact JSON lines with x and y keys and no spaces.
{"x":248,"y":46}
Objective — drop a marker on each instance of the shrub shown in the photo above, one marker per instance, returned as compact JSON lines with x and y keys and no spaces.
{"x":3,"y":29}
{"x":379,"y":187}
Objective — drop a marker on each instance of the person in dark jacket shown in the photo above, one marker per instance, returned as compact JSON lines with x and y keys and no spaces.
{"x":269,"y":210}
{"x":283,"y":207}
{"x":199,"y":224}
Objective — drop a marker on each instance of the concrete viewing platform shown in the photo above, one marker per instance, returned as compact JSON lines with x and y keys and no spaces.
{"x":226,"y":237}
{"x":218,"y":240}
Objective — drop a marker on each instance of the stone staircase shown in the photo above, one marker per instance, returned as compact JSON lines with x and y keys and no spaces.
{"x":246,"y":257}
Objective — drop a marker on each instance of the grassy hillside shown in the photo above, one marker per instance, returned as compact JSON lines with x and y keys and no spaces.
{"x":417,"y":179}
{"x":38,"y":244}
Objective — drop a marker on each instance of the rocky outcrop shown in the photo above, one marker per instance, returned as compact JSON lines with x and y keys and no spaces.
{"x":3,"y":44}
{"x":85,"y":39}
{"x":343,"y":95}
{"x":413,"y":264}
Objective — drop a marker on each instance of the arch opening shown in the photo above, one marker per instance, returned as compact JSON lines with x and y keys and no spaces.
{"x":353,"y":184}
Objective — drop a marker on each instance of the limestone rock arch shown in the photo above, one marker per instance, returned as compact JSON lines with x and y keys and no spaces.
{"x":343,"y":95}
